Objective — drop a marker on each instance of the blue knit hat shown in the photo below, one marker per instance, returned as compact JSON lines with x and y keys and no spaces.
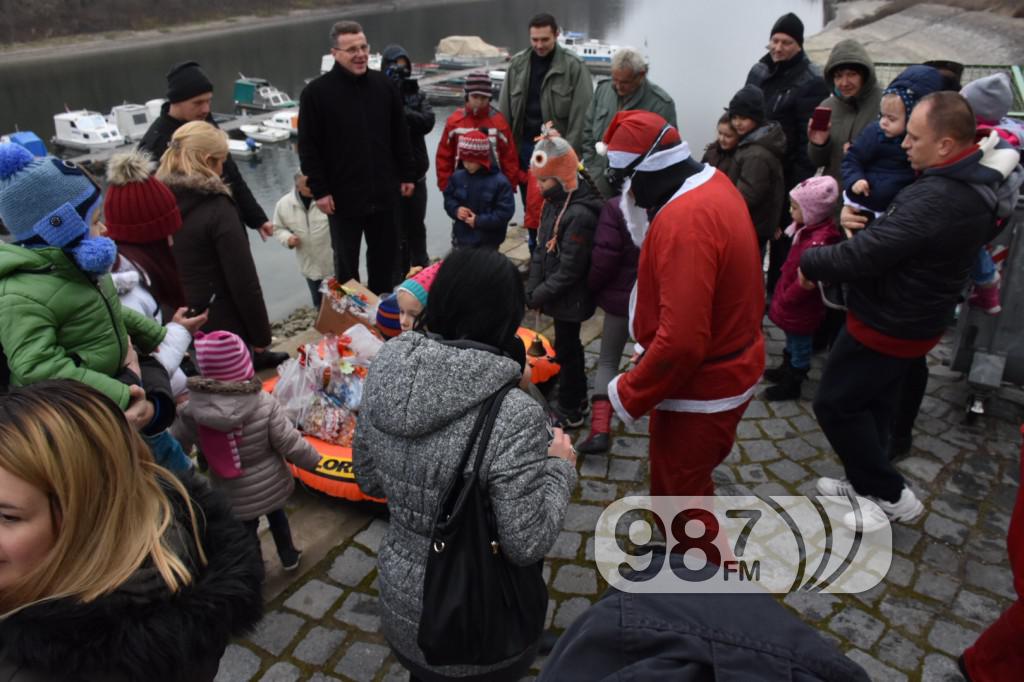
{"x":387,"y":317}
{"x":45,"y":201}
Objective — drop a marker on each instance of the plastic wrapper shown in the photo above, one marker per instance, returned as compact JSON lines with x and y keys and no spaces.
{"x":295,"y":389}
{"x":326,"y":420}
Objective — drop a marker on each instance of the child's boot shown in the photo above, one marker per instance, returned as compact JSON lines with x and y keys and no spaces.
{"x":599,"y":440}
{"x":789,"y":387}
{"x":985,"y":297}
{"x":776,"y":374}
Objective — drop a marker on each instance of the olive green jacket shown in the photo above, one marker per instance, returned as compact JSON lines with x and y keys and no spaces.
{"x":604,"y":106}
{"x":564,"y":98}
{"x":56,"y":323}
{"x":849,"y":114}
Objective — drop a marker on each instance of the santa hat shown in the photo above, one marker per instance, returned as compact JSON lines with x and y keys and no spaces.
{"x":474,"y":146}
{"x":387,"y":317}
{"x":223,"y":356}
{"x":553,"y":157}
{"x":816,"y":198}
{"x":419,"y":284}
{"x":138,"y":208}
{"x":634,"y":134}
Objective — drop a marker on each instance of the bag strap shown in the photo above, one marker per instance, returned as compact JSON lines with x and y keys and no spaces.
{"x":492,"y":409}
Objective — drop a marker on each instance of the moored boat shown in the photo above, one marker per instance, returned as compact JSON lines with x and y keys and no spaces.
{"x":85,"y":130}
{"x":262,"y":133}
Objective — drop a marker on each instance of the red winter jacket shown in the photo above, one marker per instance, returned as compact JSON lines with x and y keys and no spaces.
{"x":493,"y":124}
{"x":794,"y":309}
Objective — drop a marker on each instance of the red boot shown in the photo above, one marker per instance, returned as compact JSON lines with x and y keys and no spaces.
{"x":599,"y":440}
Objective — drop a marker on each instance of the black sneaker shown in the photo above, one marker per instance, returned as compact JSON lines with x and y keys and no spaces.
{"x":294,"y":564}
{"x":567,"y":419}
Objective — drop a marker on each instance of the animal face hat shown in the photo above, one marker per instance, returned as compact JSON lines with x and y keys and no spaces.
{"x":553,"y":157}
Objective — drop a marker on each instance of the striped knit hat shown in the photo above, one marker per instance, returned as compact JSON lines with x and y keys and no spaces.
{"x":479,"y":83}
{"x":474,"y":146}
{"x":387,"y":317}
{"x":223,"y":356}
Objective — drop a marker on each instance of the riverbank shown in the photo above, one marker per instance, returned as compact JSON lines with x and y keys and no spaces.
{"x":922,"y":32}
{"x":115,"y":41}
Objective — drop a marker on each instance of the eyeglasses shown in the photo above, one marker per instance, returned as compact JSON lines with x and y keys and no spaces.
{"x":353,"y":51}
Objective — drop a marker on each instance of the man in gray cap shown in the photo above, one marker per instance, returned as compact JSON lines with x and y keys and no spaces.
{"x":189,"y":94}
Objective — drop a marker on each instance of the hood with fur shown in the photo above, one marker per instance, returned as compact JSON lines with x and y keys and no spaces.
{"x":993,"y":170}
{"x":223,"y":405}
{"x":141,"y":631}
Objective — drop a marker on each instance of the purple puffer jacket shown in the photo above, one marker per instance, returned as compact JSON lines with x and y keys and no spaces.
{"x":613,"y":261}
{"x":794,"y":309}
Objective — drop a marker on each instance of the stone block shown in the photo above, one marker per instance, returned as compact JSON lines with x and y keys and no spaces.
{"x":319,"y":644}
{"x":238,"y":664}
{"x":276,"y":631}
{"x":789,"y":472}
{"x":352,"y":566}
{"x":996,"y":579}
{"x":567,"y":544}
{"x":582,"y":517}
{"x":977,"y":608}
{"x":360,"y":610}
{"x":909,"y":615}
{"x":572,"y":579}
{"x":858,"y":627}
{"x":371,"y":536}
{"x":314,"y":599}
{"x":630,"y":446}
{"x":626,"y":469}
{"x":281,"y":672}
{"x":951,"y":638}
{"x":797,"y":449}
{"x":598,"y":491}
{"x":876,"y":670}
{"x":760,"y":450}
{"x":569,"y":610}
{"x":362,"y":661}
{"x":814,"y":606}
{"x":938,"y":586}
{"x":776,"y":429}
{"x":946,"y":530}
{"x":595,"y":466}
{"x":897,"y":650}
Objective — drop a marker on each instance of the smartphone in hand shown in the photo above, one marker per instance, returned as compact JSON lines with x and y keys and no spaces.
{"x":195,"y":310}
{"x":820,"y":118}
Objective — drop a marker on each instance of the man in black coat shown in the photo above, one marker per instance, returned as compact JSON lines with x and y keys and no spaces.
{"x":412,"y":212}
{"x":354,"y":148}
{"x":189,"y":94}
{"x":905,"y":274}
{"x":792,"y":88}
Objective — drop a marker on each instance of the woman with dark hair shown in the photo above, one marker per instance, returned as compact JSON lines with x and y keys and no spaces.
{"x":420,"y":401}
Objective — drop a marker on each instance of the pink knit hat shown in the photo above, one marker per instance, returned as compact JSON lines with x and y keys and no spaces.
{"x":223,"y":356}
{"x":816,"y":198}
{"x":419,"y":284}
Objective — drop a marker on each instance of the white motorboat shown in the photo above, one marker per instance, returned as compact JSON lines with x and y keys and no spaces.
{"x":284,"y":120}
{"x":154,"y":107}
{"x":466,"y":52}
{"x":257,"y":94}
{"x":262,"y":133}
{"x":595,"y":54}
{"x":244,"y":149}
{"x":131,"y":120}
{"x":85,"y":130}
{"x":327,"y":62}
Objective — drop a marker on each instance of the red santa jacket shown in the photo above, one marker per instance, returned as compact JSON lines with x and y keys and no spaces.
{"x":493,"y":124}
{"x":699,"y":300}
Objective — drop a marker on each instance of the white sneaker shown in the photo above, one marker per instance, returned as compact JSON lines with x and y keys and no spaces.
{"x":878,"y":513}
{"x":835,"y":487}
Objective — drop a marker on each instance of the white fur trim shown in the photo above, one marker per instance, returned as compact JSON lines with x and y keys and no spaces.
{"x":665,"y":158}
{"x":619,"y":159}
{"x":173,"y":348}
{"x":636,"y":218}
{"x":1002,"y":161}
{"x":616,"y":401}
{"x":601,"y":148}
{"x":706,"y":406}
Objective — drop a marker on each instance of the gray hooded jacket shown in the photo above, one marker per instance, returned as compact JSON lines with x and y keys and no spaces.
{"x":419,"y":404}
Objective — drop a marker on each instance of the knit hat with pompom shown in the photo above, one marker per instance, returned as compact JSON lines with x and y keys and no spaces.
{"x":137,"y":207}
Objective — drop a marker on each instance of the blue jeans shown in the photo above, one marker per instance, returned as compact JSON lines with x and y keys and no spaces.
{"x":984,"y":269}
{"x":167,"y":452}
{"x":314,"y":291}
{"x":800,"y":348}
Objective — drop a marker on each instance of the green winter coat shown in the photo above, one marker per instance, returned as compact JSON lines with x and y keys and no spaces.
{"x":849,"y":115}
{"x":564,"y":97}
{"x":604,"y":106}
{"x":758,"y":174}
{"x":55,"y":323}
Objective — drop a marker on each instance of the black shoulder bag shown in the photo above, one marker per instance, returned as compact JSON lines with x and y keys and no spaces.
{"x":478,"y":607}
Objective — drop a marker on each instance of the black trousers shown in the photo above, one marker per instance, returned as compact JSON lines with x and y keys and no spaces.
{"x":280,"y":531}
{"x":855,"y":404}
{"x":381,"y":231}
{"x":412,"y":230}
{"x":911,"y":395}
{"x":572,"y":377}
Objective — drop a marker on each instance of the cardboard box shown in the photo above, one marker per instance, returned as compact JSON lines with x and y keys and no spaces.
{"x":330,"y":321}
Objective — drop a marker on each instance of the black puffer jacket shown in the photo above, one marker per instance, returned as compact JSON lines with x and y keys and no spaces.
{"x":791,"y":91}
{"x":141,"y":631}
{"x":155,"y":142}
{"x":354,"y":141}
{"x":756,"y":170}
{"x":419,"y":115}
{"x":907,"y":270}
{"x":558,"y":278}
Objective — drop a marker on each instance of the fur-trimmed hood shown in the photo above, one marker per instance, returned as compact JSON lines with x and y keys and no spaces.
{"x":223,"y":405}
{"x":198,"y":183}
{"x":142,"y":631}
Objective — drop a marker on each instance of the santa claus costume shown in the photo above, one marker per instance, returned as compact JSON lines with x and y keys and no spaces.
{"x":697,"y":306}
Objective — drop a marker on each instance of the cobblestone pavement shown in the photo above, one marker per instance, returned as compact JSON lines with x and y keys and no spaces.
{"x":950,"y":575}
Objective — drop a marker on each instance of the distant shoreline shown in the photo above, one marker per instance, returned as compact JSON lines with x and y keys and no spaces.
{"x":61,"y":47}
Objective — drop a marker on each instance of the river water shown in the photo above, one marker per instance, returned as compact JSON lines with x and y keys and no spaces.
{"x":700,"y":51}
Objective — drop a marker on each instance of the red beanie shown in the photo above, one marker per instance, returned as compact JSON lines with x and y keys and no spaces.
{"x":138,"y":208}
{"x":474,"y":146}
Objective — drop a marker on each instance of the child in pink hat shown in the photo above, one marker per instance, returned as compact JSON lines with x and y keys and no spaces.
{"x":412,"y":295}
{"x":797,"y":307}
{"x":244,"y":436}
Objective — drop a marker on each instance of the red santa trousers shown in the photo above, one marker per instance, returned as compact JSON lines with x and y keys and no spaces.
{"x":998,"y":654}
{"x":687,"y":446}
